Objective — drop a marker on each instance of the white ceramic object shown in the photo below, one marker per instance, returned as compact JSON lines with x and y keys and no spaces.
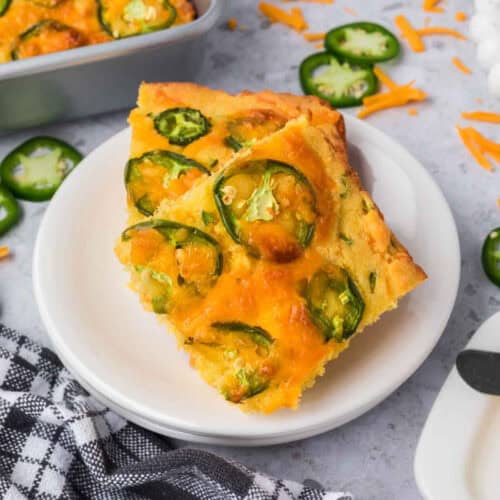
{"x":481,"y":27}
{"x":488,"y":52}
{"x":127,"y":358}
{"x":494,"y":80}
{"x":458,"y":455}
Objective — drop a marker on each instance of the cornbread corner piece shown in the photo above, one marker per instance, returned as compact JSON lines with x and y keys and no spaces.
{"x":266,"y":271}
{"x":182,"y":132}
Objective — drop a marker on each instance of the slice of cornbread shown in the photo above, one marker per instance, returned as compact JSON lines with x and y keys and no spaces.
{"x":267,"y":269}
{"x":182,"y":132}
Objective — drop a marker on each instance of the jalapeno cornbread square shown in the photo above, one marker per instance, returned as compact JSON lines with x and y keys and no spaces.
{"x":266,"y":268}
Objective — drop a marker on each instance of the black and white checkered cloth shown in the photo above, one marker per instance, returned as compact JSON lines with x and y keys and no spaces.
{"x":57,"y":442}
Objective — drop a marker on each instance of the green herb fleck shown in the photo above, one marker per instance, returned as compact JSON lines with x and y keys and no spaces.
{"x":345,"y":238}
{"x":372,"y":278}
{"x":232,"y":143}
{"x":207,"y":217}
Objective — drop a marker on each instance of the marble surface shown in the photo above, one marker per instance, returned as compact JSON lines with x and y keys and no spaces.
{"x":373,"y":455}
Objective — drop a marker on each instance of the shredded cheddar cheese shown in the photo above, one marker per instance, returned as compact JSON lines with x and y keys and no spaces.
{"x":384,"y":78}
{"x":478,"y":145}
{"x":482,"y":116}
{"x":460,"y":16}
{"x":293,"y":19}
{"x":314,"y":37}
{"x":461,"y":66}
{"x":232,"y":23}
{"x":412,"y":111}
{"x":397,"y":95}
{"x":414,"y":36}
{"x":440,"y":30}
{"x":431,"y":6}
{"x":350,"y":11}
{"x":408,"y":32}
{"x":4,"y":252}
{"x":498,"y":202}
{"x":311,"y":1}
{"x":473,"y":149}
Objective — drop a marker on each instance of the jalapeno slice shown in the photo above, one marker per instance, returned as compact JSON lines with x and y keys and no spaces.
{"x":257,"y":334}
{"x":245,"y":129}
{"x":35,"y":169}
{"x":341,"y":83}
{"x":10,"y":211}
{"x":268,"y":206}
{"x":334,"y":302}
{"x":46,"y":37}
{"x":124,"y":18}
{"x":157,"y":175}
{"x":182,"y":126}
{"x":173,"y":261}
{"x":491,"y":256}
{"x":4,"y":5}
{"x":247,"y":384}
{"x":362,"y":42}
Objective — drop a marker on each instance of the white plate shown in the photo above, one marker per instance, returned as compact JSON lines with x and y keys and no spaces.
{"x":458,"y":455}
{"x":99,"y":328}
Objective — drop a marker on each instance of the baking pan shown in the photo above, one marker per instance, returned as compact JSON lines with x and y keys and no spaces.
{"x":104,"y":77}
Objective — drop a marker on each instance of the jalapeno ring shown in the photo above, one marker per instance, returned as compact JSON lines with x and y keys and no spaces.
{"x":157,"y":175}
{"x":334,"y":302}
{"x":269,"y":207}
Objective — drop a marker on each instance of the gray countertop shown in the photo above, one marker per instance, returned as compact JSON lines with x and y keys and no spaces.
{"x":373,"y":455}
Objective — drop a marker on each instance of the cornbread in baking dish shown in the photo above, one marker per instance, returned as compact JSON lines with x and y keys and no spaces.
{"x":35,"y":27}
{"x":268,"y":267}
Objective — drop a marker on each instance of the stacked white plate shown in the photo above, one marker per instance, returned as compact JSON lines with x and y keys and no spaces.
{"x":123,"y":356}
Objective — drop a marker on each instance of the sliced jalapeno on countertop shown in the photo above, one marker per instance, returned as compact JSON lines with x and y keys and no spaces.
{"x":157,"y":175}
{"x":491,"y":256}
{"x":45,"y":37}
{"x":124,"y":18}
{"x":35,"y":169}
{"x":257,"y":334}
{"x":182,"y":126}
{"x":4,"y":5}
{"x":172,"y":260}
{"x":334,"y":302}
{"x":339,"y":82}
{"x":245,"y":129}
{"x":268,"y":206}
{"x":362,"y":42}
{"x":10,"y":211}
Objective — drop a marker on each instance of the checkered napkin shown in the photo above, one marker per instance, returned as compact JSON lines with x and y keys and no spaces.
{"x":57,"y":442}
